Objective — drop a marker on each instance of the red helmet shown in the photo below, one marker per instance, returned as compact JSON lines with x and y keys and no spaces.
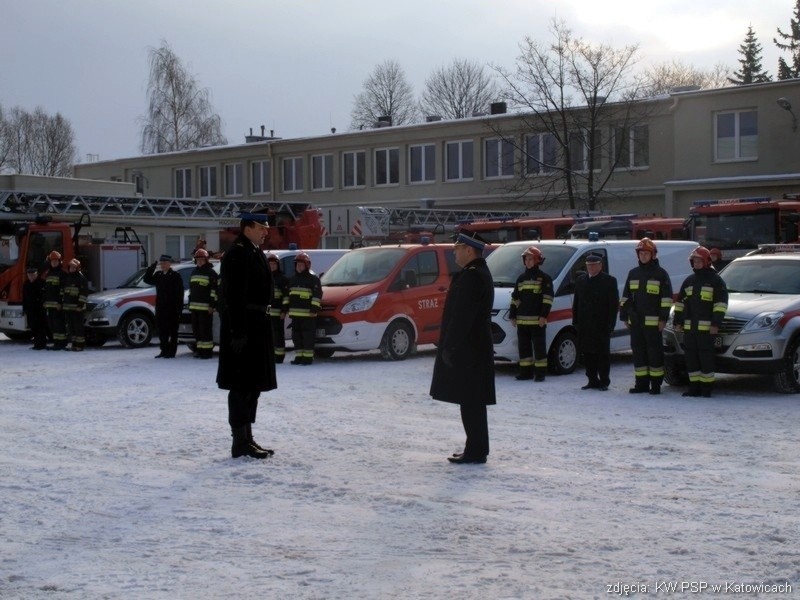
{"x":646,"y":245}
{"x":535,"y":253}
{"x":716,"y":254}
{"x":201,"y":253}
{"x":272,"y":257}
{"x":75,"y":263}
{"x":703,"y":253}
{"x":54,"y":255}
{"x":303,"y":258}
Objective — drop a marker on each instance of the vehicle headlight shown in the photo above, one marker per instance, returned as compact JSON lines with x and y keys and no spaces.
{"x":360,"y":304}
{"x":766,"y":320}
{"x":670,"y":319}
{"x":103,"y":305}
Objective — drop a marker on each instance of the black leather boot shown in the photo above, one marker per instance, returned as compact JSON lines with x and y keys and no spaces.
{"x":241,"y":445}
{"x":269,"y":451}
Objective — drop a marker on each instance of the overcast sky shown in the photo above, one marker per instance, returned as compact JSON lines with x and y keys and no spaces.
{"x":295,"y":66}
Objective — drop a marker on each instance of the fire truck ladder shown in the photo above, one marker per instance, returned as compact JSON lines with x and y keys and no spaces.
{"x":379,"y":221}
{"x":140,"y":210}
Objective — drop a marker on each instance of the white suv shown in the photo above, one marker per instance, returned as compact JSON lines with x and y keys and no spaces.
{"x":128,"y":312}
{"x":761,"y":330}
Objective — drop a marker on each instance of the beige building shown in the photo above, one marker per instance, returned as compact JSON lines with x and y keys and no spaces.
{"x":732,"y":142}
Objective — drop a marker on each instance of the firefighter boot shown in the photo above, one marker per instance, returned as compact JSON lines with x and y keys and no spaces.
{"x":241,"y":445}
{"x":255,"y":444}
{"x":655,"y":387}
{"x":539,"y":373}
{"x":694,"y":389}
{"x":705,"y":389}
{"x":525,"y":373}
{"x":641,"y":386}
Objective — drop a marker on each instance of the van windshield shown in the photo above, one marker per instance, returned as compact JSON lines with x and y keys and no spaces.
{"x":506,"y":265}
{"x":358,"y":267}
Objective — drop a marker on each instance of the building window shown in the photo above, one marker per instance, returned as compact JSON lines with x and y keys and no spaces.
{"x":293,"y":174}
{"x":208,"y":182}
{"x":354,"y":169}
{"x":579,"y":151}
{"x":541,"y":154}
{"x":322,"y":172}
{"x":736,"y":135}
{"x":422,"y":163}
{"x":459,"y":160}
{"x":233,"y":179}
{"x":261,"y":173}
{"x":183,"y":183}
{"x":387,"y":166}
{"x":498,"y":157}
{"x":632,"y":147}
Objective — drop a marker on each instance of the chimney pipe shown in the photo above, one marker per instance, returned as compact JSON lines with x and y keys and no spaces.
{"x":262,"y":130}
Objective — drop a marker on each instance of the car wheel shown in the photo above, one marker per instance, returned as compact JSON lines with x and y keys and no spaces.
{"x":675,"y":374}
{"x":788,"y":380}
{"x":563,"y":356}
{"x":135,"y":330}
{"x":398,"y":341}
{"x":18,"y":336}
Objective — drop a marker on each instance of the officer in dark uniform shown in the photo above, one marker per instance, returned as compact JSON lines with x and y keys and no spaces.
{"x":33,"y":308}
{"x":699,"y":310}
{"x":202,"y":302}
{"x":169,"y":303}
{"x":246,"y":355}
{"x":594,"y":313}
{"x":531,"y":302}
{"x":644,"y":308}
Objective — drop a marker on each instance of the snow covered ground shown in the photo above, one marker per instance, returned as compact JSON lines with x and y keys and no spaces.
{"x":117,"y":482}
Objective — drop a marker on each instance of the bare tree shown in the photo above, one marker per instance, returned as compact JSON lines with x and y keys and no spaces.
{"x":663,"y":77}
{"x":5,"y":140}
{"x":570,"y":93}
{"x":179,"y":115}
{"x":458,"y":90}
{"x":386,"y":93}
{"x":37,"y":143}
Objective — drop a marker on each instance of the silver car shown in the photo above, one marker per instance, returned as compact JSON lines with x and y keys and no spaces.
{"x":761,"y":330}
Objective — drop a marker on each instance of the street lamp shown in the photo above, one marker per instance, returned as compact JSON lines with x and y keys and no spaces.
{"x":786,"y":105}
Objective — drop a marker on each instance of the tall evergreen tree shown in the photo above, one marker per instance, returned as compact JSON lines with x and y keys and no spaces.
{"x":751,"y":70}
{"x":791,"y":42}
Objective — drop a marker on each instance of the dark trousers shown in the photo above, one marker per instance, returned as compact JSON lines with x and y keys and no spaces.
{"x":648,"y":356}
{"x":37,"y":322}
{"x":279,"y":337}
{"x":303,"y":332}
{"x":75,"y":329}
{"x":700,"y":353}
{"x":531,"y":343}
{"x":598,"y":367}
{"x":473,"y":416}
{"x":167,"y":334}
{"x":201,"y":328}
{"x":58,"y":328}
{"x":242,"y":407}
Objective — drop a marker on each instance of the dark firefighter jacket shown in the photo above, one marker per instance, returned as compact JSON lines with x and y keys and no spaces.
{"x":74,"y":291}
{"x":702,"y":301}
{"x":532,"y":297}
{"x":647,"y":296}
{"x":52,"y":287}
{"x":304,"y":297}
{"x":203,"y":288}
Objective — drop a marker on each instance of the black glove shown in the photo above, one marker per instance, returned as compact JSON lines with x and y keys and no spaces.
{"x":238,"y":343}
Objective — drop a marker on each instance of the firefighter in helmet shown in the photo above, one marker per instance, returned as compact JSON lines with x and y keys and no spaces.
{"x":699,"y":311}
{"x":74,"y":291}
{"x":531,"y":302}
{"x":53,"y":289}
{"x":277,"y":317}
{"x":302,"y":304}
{"x":644,"y":308}
{"x":716,"y":259}
{"x":202,"y":303}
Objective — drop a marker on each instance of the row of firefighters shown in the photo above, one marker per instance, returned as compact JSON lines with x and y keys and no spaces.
{"x":644,"y":307}
{"x":54,"y":301}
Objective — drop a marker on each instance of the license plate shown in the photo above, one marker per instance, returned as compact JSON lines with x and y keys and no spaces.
{"x":717,"y":341}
